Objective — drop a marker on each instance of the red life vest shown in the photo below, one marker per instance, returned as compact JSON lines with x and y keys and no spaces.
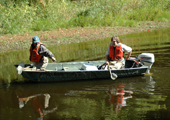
{"x":34,"y":56}
{"x":116,"y":54}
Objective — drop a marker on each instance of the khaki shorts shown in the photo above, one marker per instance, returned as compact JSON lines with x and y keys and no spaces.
{"x":115,"y":65}
{"x":42,"y":64}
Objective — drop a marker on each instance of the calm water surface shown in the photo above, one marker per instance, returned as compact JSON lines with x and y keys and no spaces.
{"x":134,"y":98}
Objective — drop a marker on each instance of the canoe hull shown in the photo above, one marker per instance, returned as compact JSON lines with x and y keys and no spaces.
{"x":53,"y":76}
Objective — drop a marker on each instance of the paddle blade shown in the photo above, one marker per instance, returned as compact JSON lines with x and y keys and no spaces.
{"x":113,"y":76}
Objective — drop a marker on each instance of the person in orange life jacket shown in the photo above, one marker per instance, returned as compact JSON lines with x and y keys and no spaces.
{"x":114,"y":53}
{"x":39,"y":54}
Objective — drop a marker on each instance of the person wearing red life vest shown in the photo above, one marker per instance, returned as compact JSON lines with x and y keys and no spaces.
{"x":115,"y":52}
{"x":39,"y":54}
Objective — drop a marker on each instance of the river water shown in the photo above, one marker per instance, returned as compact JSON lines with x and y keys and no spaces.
{"x":133,"y":98}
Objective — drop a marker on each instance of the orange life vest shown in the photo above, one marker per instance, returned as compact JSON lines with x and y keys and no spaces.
{"x":34,"y":56}
{"x":116,"y":54}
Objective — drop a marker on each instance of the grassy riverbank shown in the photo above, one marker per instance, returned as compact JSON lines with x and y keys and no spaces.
{"x":23,"y":16}
{"x":65,"y":21}
{"x":10,"y":42}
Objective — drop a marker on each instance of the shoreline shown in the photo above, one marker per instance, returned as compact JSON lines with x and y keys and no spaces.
{"x":72,"y":35}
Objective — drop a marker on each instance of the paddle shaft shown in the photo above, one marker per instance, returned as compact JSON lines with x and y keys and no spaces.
{"x":110,"y":72}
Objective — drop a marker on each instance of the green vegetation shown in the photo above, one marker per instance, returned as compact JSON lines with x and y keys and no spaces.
{"x":19,"y":16}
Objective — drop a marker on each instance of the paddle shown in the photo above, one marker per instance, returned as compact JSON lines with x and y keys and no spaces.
{"x":112,"y":75}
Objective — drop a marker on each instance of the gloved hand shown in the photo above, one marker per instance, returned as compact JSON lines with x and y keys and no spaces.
{"x":53,"y":59}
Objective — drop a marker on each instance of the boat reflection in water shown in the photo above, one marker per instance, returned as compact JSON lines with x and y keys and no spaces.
{"x":39,"y":103}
